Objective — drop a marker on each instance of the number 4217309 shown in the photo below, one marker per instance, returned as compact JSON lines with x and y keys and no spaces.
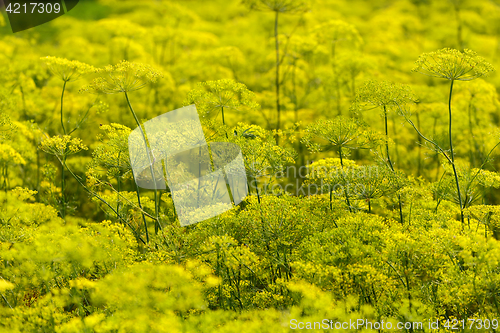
{"x":33,"y":8}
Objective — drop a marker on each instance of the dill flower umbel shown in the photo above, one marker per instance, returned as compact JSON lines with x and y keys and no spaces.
{"x":123,"y":77}
{"x":281,"y":6}
{"x":383,"y":94}
{"x":335,"y":31}
{"x":212,"y":97}
{"x":338,"y":133}
{"x":67,"y":70}
{"x":62,"y":145}
{"x":9,"y":155}
{"x":452,"y":65}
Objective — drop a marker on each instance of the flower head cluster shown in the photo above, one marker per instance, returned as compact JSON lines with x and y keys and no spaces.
{"x":280,"y":6}
{"x":5,"y":285}
{"x":211,"y":96}
{"x":262,"y":156}
{"x":123,"y":77}
{"x":120,"y":27}
{"x":67,"y":70}
{"x":7,"y":127}
{"x":338,"y":133}
{"x":452,"y":64}
{"x":112,"y":152}
{"x":100,"y":107}
{"x":384,"y":94}
{"x":335,"y":31}
{"x":62,"y":145}
{"x":9,"y":155}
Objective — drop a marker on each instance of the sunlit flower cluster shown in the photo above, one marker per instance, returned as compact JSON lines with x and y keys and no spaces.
{"x":452,"y":64}
{"x":123,"y":77}
{"x":67,"y":70}
{"x":62,"y":145}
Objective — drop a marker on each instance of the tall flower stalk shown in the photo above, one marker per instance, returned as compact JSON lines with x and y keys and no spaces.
{"x":453,"y":65}
{"x":61,"y":147}
{"x":278,"y":7}
{"x":126,"y":77}
{"x":221,"y":96}
{"x":341,"y":135}
{"x":385,"y":95}
{"x":331,"y":34}
{"x":67,"y":71}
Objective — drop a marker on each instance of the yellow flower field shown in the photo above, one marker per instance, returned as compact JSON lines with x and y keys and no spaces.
{"x":365,"y":139}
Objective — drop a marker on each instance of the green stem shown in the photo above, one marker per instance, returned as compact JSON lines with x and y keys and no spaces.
{"x":6,"y":301}
{"x":63,"y":184}
{"x":390,"y":163}
{"x":82,"y":120}
{"x":256,"y":188}
{"x":103,"y":201}
{"x":63,"y":190}
{"x":119,"y":186}
{"x":400,"y":209}
{"x":387,"y":139}
{"x":453,"y":157}
{"x":223,"y":121}
{"x":62,"y":97}
{"x":199,"y":177}
{"x":278,"y":109}
{"x":140,"y":205}
{"x":345,"y":185}
{"x":331,"y":198}
{"x":149,"y":159}
{"x":419,"y":149}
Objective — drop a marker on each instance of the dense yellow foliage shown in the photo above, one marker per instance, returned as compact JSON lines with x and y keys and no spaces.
{"x":373,"y":190}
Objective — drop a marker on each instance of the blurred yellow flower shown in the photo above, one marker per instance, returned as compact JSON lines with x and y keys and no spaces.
{"x":67,"y":70}
{"x":123,"y":77}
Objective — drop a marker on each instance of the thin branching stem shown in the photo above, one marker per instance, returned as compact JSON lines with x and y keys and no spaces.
{"x":277,"y":48}
{"x":140,"y":205}
{"x":62,"y":98}
{"x":345,"y":185}
{"x":401,"y":218}
{"x":149,"y":159}
{"x":453,"y":157}
{"x":102,"y":200}
{"x":63,"y":175}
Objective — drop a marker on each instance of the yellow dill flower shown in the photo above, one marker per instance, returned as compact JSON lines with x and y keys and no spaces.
{"x":7,"y":127}
{"x":280,"y":6}
{"x":67,"y":70}
{"x":213,"y":97}
{"x":123,"y":77}
{"x":81,"y":283}
{"x":62,"y":145}
{"x":23,"y":194}
{"x":452,"y":64}
{"x":383,"y":94}
{"x":10,"y":155}
{"x":5,"y":285}
{"x":335,"y":31}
